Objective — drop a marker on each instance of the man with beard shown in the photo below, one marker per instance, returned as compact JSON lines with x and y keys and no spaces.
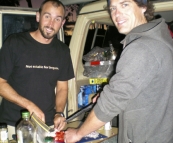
{"x":32,"y":65}
{"x":141,"y":91}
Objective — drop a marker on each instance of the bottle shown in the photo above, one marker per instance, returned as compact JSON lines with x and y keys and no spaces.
{"x":49,"y":140}
{"x":3,"y":133}
{"x":112,"y":52}
{"x":26,"y":131}
{"x":80,"y":97}
{"x":108,"y":126}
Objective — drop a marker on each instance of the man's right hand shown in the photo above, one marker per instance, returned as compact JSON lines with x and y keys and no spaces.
{"x":32,"y":108}
{"x":71,"y":136}
{"x":94,"y":99}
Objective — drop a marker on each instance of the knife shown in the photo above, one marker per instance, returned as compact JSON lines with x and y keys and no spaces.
{"x":79,"y":112}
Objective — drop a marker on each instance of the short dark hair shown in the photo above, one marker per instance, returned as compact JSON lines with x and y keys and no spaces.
{"x":149,"y":13}
{"x":54,"y":2}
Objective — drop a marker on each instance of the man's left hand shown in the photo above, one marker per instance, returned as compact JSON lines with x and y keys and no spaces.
{"x":59,"y":122}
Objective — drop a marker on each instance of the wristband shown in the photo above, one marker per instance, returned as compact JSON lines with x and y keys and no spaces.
{"x":60,"y":113}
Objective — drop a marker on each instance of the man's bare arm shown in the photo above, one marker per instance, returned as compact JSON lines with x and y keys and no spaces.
{"x":61,"y":95}
{"x":91,"y":124}
{"x":7,"y":92}
{"x":61,"y":100}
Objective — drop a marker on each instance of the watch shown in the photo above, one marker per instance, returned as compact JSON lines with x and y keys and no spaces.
{"x":60,"y":113}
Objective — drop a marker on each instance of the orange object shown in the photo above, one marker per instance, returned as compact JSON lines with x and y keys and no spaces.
{"x":59,"y":138}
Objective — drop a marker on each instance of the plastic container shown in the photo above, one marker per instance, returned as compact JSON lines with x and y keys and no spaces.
{"x":84,"y":96}
{"x":26,"y":131}
{"x":99,"y":69}
{"x":3,"y":133}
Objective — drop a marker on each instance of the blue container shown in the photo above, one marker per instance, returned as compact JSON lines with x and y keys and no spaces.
{"x":84,"y":93}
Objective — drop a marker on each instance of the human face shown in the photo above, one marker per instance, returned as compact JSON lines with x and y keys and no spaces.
{"x":51,"y":19}
{"x":126,"y":15}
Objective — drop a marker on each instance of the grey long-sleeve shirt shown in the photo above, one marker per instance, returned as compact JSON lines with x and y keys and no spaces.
{"x":141,"y":91}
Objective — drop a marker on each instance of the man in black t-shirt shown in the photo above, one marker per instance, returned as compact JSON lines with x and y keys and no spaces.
{"x":32,"y":65}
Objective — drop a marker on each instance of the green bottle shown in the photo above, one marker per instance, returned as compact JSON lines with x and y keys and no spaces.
{"x":49,"y":140}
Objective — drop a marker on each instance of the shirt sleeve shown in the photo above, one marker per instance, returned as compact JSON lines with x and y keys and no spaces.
{"x":135,"y":70}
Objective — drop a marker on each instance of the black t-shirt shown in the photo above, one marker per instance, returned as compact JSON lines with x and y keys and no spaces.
{"x":33,"y":69}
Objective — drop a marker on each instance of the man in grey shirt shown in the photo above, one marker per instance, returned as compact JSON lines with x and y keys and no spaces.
{"x":141,"y":91}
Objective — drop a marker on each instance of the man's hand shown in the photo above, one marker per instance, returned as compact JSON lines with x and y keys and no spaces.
{"x":94,"y":99}
{"x":71,"y":136}
{"x":59,"y":122}
{"x":32,"y":108}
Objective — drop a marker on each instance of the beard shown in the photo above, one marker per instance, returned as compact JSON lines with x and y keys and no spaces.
{"x":45,"y":34}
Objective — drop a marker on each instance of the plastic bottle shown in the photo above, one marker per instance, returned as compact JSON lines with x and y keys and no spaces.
{"x":26,"y":131}
{"x":80,"y":97}
{"x":3,"y":133}
{"x":108,"y":126}
{"x":112,"y":52}
{"x":49,"y":140}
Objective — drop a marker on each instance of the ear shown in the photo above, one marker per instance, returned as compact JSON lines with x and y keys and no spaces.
{"x":37,"y":16}
{"x":63,"y":22}
{"x":144,"y":9}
